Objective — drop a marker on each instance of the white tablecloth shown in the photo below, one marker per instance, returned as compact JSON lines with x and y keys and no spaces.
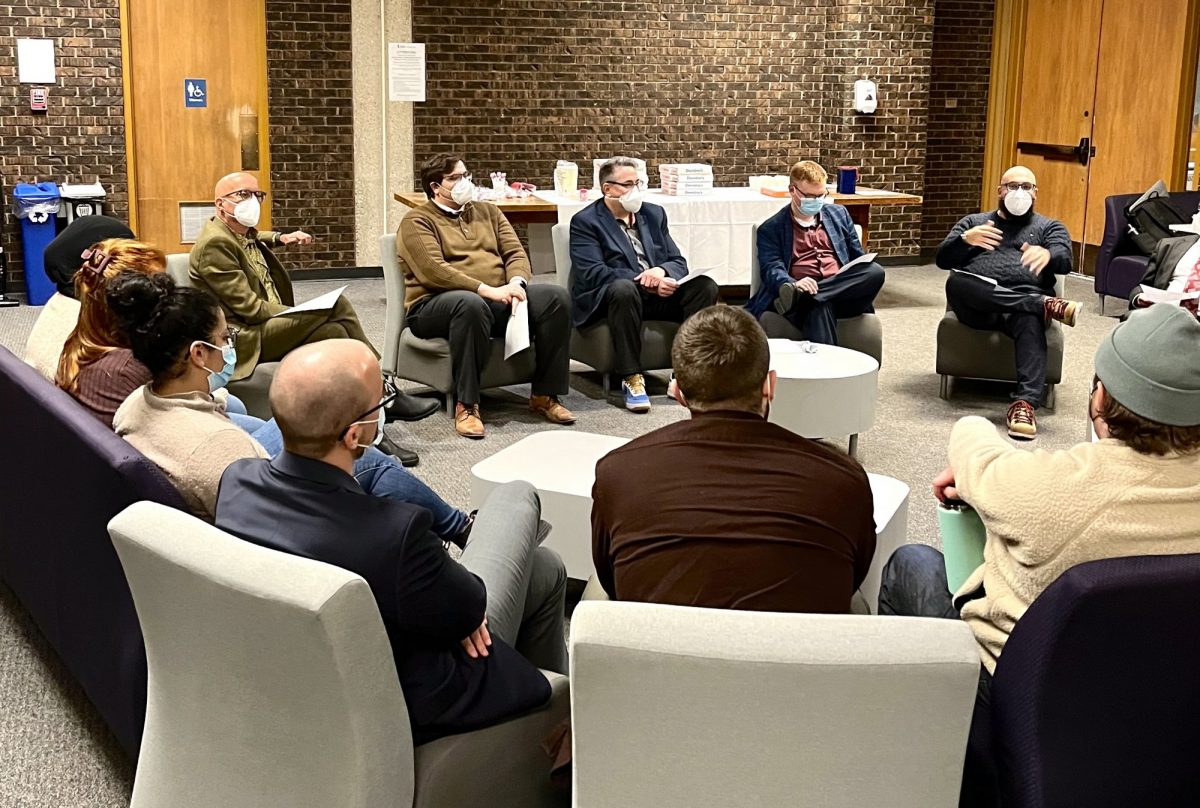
{"x":712,"y":231}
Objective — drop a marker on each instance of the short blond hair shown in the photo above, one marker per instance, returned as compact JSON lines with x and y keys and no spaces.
{"x":808,"y":171}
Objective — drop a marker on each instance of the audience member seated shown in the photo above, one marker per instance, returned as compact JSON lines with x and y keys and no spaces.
{"x":62,"y":256}
{"x":727,"y":510}
{"x":1012,"y":256}
{"x":453,"y":627}
{"x":1174,"y":267}
{"x":182,"y":337}
{"x":626,"y":268}
{"x":95,"y":364}
{"x":235,"y":262}
{"x":1134,"y":492}
{"x":800,"y":252}
{"x":464,"y":268}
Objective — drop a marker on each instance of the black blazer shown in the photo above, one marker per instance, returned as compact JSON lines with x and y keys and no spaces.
{"x":1162,"y":264}
{"x":601,"y":253}
{"x":429,"y":603}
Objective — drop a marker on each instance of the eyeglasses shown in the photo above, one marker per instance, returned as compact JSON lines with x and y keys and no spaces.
{"x":230,"y":339}
{"x":639,"y":184}
{"x":803,"y":195}
{"x":389,"y":395}
{"x":466,"y":175}
{"x":244,"y":194}
{"x":1019,"y":186}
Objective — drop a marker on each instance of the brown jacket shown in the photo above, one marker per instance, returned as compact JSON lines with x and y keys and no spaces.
{"x":220,"y":265}
{"x":440,"y":253}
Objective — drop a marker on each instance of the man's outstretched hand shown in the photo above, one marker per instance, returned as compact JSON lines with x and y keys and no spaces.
{"x":295,"y":237}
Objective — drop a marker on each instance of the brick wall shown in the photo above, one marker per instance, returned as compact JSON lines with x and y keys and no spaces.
{"x":958,"y":99}
{"x":82,"y":136}
{"x":312,"y":128}
{"x":750,"y":86}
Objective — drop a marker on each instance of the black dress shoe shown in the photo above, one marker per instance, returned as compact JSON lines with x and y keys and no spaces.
{"x":786,"y":299}
{"x":411,"y":408}
{"x":407,"y":457}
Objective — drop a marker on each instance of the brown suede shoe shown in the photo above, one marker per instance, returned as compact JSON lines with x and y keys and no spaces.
{"x":1021,"y":421}
{"x":1062,"y":310}
{"x":550,"y":408}
{"x":467,"y":422}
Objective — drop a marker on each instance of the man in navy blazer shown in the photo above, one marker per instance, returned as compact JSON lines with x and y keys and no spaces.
{"x":800,"y":250}
{"x":452,"y":626}
{"x":625,"y":266}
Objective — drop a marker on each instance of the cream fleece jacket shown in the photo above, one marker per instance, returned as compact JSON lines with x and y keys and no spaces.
{"x":1048,"y":511}
{"x":189,"y":438}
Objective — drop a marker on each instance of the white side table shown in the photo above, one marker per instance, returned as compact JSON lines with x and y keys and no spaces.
{"x":825,"y":394}
{"x":891,"y":530}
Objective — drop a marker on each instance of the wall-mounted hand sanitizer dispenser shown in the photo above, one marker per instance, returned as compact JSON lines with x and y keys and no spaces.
{"x":866,"y":97}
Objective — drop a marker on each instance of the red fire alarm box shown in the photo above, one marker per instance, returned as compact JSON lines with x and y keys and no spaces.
{"x":37,"y":99}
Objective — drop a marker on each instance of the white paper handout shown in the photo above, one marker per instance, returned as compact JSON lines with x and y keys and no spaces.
{"x":321,"y":303}
{"x":691,"y":277}
{"x":862,"y":259}
{"x":516,"y":333}
{"x":1152,"y":295}
{"x":992,"y":281}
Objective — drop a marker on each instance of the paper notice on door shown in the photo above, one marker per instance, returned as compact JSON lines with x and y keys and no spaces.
{"x":1152,"y":295}
{"x":516,"y":334}
{"x":323,"y":303}
{"x":992,"y":281}
{"x":862,"y":259}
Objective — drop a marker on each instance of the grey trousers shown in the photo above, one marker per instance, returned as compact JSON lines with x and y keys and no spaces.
{"x":526,"y":584}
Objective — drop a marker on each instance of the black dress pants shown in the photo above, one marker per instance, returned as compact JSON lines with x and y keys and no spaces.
{"x":1019,"y":313}
{"x":469,"y":322}
{"x":847,"y":294}
{"x":627,"y":305}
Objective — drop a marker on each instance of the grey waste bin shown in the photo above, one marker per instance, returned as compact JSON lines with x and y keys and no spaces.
{"x":81,"y":200}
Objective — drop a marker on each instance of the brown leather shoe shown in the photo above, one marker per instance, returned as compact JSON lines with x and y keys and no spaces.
{"x":1021,"y":421}
{"x":466,"y":420}
{"x":550,"y":408}
{"x":1064,"y":311}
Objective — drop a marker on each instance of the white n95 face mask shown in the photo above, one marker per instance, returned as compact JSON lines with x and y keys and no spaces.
{"x":632,"y":200}
{"x":1018,"y":203}
{"x":463,"y":191}
{"x":247,"y":212}
{"x":378,"y":431}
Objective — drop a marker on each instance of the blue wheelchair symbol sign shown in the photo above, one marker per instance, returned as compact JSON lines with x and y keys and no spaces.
{"x":195,"y":93}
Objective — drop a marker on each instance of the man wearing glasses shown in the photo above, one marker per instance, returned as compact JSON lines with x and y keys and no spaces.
{"x":801,"y":251}
{"x":1012,"y":255}
{"x":626,"y":268}
{"x":464,"y":267}
{"x":234,"y":261}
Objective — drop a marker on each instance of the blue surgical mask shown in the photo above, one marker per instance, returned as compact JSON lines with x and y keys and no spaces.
{"x":219,"y":378}
{"x":811,"y":207}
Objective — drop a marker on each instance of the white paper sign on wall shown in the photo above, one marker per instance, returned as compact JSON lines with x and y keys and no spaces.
{"x":406,"y":71}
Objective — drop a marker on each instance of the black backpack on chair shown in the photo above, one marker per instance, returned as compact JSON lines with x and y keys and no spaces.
{"x":1149,"y":221}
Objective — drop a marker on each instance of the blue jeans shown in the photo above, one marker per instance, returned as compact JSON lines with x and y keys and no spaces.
{"x":234,"y":406}
{"x":377,"y":473}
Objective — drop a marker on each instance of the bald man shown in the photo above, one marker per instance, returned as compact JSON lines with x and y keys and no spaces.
{"x":234,"y":261}
{"x":468,"y":637}
{"x":1017,"y":252}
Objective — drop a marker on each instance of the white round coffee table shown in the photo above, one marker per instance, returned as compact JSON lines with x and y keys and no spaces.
{"x":828,"y":393}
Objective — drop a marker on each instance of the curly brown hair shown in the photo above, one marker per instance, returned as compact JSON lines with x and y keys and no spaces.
{"x":1143,"y":435}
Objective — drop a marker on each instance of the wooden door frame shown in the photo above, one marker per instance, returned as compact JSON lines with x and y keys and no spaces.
{"x":264,"y":140}
{"x":1008,"y":40}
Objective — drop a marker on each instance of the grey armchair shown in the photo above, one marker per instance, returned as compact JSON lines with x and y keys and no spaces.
{"x":255,"y":389}
{"x":970,"y":353}
{"x":592,"y":345}
{"x":676,"y":707}
{"x":863,"y":333}
{"x":272,"y":684}
{"x":427,"y":361}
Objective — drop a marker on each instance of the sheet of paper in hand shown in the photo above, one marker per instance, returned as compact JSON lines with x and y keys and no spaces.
{"x":862,"y":259}
{"x":516,"y":333}
{"x":321,"y":303}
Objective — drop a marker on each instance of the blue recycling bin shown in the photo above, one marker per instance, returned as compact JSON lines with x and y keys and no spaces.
{"x":36,"y":207}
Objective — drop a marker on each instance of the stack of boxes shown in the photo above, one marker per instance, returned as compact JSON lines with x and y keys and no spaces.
{"x":685,"y":179}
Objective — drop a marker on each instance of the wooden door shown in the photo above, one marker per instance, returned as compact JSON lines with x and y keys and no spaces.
{"x":1055,"y":106}
{"x":196,"y":95}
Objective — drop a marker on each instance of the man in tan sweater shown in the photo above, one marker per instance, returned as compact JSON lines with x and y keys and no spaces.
{"x":464,"y":268}
{"x":1134,"y":492}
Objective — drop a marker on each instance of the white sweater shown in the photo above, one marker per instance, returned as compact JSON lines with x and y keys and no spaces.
{"x":1048,"y":511}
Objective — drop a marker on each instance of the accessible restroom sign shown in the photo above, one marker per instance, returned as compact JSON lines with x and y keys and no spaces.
{"x":195,"y":93}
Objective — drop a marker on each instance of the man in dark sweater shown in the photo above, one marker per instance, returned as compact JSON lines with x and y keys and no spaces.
{"x":730,"y":511}
{"x":1008,"y":259}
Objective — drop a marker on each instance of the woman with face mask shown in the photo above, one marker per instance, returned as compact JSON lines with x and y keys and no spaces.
{"x":182,"y":338}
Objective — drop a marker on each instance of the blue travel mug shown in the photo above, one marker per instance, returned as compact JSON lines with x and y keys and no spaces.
{"x":847,"y":179}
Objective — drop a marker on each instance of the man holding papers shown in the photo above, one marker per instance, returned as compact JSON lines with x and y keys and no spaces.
{"x":812,"y":269}
{"x":1009,"y":258}
{"x":626,"y":268}
{"x":1174,"y":269}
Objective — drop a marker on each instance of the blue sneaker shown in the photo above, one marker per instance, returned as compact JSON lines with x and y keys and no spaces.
{"x":636,"y":399}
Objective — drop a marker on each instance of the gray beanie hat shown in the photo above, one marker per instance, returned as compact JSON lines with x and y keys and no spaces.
{"x":1151,"y":364}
